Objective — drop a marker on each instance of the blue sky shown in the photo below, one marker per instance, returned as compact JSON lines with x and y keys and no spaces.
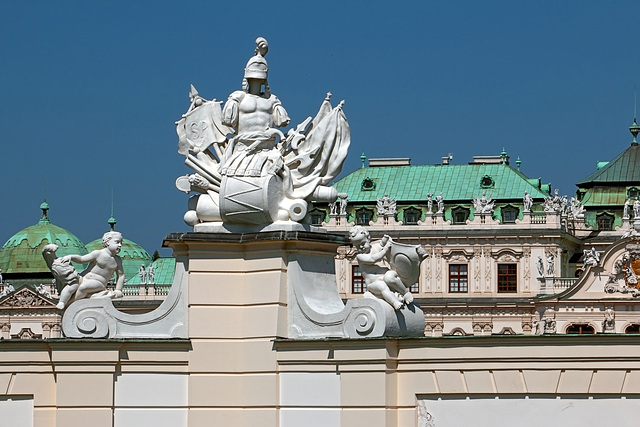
{"x":89,"y":92}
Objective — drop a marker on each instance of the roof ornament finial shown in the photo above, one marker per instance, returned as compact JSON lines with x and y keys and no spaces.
{"x":45,"y":212}
{"x":518,"y":163}
{"x":634,"y":128}
{"x":363,"y":158}
{"x":112,"y":219}
{"x":503,"y":154}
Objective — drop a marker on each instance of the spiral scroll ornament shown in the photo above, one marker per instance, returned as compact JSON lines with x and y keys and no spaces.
{"x":360,"y":322}
{"x":89,"y":323}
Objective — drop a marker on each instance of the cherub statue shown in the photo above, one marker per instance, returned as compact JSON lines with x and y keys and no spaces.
{"x":381,"y":279}
{"x":92,"y":282}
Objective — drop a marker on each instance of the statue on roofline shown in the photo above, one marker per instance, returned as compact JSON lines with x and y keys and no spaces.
{"x":248,"y":171}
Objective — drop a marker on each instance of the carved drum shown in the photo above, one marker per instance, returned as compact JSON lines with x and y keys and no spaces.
{"x":250,"y":200}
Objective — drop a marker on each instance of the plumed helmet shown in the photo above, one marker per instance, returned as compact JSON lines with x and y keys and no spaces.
{"x":257,"y":67}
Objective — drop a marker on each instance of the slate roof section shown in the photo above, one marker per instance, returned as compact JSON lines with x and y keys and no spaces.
{"x":623,"y":170}
{"x":456,"y":182}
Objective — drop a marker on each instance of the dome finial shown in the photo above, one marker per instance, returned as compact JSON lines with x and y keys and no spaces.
{"x":634,"y":128}
{"x":363,"y":158}
{"x":112,"y":219}
{"x":45,"y":213}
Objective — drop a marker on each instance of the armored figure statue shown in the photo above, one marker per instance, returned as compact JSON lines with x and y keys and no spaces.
{"x":246,"y":169}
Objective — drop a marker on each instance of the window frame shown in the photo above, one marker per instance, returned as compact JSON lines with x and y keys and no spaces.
{"x":410,"y":211}
{"x":457,"y":210}
{"x":361,"y":211}
{"x":457,"y":276}
{"x":358,"y":286}
{"x":604,"y":216}
{"x":507,"y":281}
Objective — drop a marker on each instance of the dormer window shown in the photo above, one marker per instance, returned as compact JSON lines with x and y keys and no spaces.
{"x":363,"y":216}
{"x":368,"y":185}
{"x":509,"y":214}
{"x":487,"y":182}
{"x":460,"y":215}
{"x":605,"y":222}
{"x":411,"y":216}
{"x":633,"y":192}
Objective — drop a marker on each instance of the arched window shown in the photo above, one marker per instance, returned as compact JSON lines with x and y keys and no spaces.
{"x":580,"y":328}
{"x":632,"y":329}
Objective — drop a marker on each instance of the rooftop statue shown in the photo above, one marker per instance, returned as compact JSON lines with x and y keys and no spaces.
{"x":92,"y":282}
{"x":388,"y":268}
{"x":247,"y":170}
{"x":483,"y":204}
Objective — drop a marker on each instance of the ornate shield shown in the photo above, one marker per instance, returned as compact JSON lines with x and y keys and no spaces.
{"x":405,"y":261}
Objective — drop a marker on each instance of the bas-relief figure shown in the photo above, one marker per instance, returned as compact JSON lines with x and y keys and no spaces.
{"x":247,"y":171}
{"x":389,"y":269}
{"x":92,"y":282}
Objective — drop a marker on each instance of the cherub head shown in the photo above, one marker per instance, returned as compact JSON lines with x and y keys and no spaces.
{"x":359,"y":237}
{"x":112,"y":240}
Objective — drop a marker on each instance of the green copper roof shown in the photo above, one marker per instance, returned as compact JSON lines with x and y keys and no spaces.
{"x":164,"y":271}
{"x":625,"y":168}
{"x":456,"y":182}
{"x":132,"y":254}
{"x":605,"y":196}
{"x":22,"y":253}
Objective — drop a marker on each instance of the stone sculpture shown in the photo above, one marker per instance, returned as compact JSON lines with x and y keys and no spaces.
{"x":540,"y":266}
{"x":387,"y":275}
{"x":527,"y":202}
{"x":8,"y":288}
{"x":151,"y":274}
{"x":440,"y":203}
{"x":142,"y":273}
{"x":609,"y":322}
{"x":386,"y":206}
{"x":258,"y":175}
{"x":483,"y":204}
{"x":591,"y":257}
{"x":636,"y":210}
{"x":430,"y":203}
{"x":625,"y":209}
{"x":92,"y":282}
{"x":576,"y":209}
{"x":344,"y":199}
{"x":550,"y":264}
{"x":554,"y":203}
{"x":628,"y":266}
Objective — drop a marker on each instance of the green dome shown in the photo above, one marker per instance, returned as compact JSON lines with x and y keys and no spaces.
{"x":22,"y":253}
{"x":132,"y":254}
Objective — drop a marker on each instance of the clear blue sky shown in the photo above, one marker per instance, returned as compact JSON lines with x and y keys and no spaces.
{"x":90,"y":91}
